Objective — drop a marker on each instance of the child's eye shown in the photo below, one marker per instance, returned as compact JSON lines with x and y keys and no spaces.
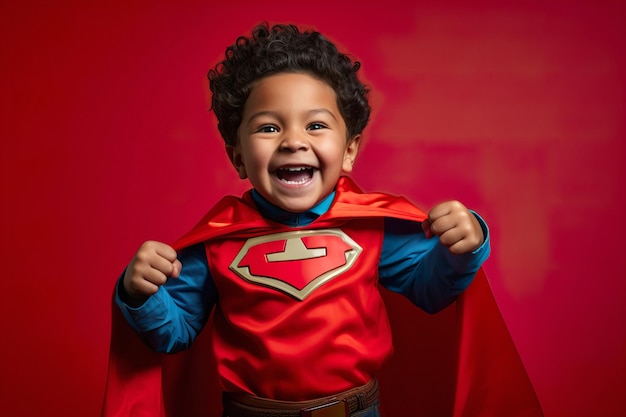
{"x":316,"y":126}
{"x":267,"y":129}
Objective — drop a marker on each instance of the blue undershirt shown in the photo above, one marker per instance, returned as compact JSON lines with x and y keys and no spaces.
{"x":421,"y":269}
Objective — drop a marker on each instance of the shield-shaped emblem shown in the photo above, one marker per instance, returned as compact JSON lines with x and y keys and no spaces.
{"x":296,"y":263}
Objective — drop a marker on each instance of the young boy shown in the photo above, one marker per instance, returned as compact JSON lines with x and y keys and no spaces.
{"x":292,"y":269}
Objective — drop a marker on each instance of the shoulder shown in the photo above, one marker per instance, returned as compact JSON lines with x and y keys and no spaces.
{"x":351,"y":201}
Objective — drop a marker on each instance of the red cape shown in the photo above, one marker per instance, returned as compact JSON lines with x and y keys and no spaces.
{"x":490,"y":378}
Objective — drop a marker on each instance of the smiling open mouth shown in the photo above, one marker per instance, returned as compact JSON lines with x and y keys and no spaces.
{"x":295,"y":175}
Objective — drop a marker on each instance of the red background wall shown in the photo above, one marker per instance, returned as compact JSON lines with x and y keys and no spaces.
{"x":515,"y":109}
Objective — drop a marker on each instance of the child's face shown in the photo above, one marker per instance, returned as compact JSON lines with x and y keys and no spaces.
{"x":293,"y":143}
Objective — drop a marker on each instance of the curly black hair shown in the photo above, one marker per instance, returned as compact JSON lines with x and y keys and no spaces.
{"x":284,"y":49}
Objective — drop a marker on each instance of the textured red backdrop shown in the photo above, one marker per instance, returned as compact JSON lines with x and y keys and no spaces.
{"x":516,"y":109}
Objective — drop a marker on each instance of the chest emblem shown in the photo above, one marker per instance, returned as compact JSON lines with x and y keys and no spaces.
{"x":296,"y":263}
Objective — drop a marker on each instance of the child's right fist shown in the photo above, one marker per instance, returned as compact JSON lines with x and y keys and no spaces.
{"x":151,"y":266}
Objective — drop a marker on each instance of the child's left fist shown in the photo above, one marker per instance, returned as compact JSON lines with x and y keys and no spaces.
{"x":456,"y":226}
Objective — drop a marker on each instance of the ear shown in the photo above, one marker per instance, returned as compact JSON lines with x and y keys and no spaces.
{"x":349,"y":156}
{"x":234,"y":154}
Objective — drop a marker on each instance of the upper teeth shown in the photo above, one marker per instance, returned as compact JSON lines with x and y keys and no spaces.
{"x":295,"y":169}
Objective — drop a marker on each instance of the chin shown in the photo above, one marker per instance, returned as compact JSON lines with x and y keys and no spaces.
{"x":295,"y":203}
{"x":296,"y":206}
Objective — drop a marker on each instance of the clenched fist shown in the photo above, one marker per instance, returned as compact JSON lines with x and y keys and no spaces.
{"x":150,"y":268}
{"x":457,"y":227}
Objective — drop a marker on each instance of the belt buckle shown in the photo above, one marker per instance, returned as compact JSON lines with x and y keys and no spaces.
{"x":332,"y":409}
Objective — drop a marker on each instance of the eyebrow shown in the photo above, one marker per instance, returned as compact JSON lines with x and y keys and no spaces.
{"x":322,"y":110}
{"x":271,"y":113}
{"x":261,"y":113}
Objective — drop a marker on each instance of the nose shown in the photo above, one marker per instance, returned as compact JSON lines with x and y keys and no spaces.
{"x":293,"y":141}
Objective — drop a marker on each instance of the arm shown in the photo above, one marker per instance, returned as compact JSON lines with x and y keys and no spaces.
{"x":168,"y":314}
{"x":428,"y":266}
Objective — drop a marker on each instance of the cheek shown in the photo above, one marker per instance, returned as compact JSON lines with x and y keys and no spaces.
{"x":332,"y":152}
{"x":256,"y":158}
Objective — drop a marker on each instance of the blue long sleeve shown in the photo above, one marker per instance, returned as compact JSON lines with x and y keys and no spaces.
{"x":422,"y":269}
{"x":171,"y":319}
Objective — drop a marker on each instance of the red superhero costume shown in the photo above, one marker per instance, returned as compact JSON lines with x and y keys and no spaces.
{"x":243,"y":250}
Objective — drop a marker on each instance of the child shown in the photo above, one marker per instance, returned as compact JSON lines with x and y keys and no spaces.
{"x":292,"y":269}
